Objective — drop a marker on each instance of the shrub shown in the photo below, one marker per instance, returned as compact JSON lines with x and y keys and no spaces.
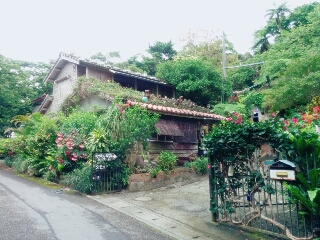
{"x":200,"y":165}
{"x":80,"y":179}
{"x":20,"y":164}
{"x":8,"y":161}
{"x":167,"y":161}
{"x":50,"y":176}
{"x":81,"y":120}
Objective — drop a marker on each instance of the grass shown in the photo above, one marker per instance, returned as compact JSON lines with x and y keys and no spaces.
{"x":39,"y":181}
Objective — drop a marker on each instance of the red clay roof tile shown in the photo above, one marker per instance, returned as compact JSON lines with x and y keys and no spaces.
{"x":177,"y":111}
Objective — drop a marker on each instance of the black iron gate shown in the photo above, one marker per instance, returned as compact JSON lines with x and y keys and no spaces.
{"x":266,"y":206}
{"x":106,"y":173}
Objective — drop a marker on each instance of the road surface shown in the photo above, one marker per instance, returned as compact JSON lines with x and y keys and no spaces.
{"x":29,"y":211}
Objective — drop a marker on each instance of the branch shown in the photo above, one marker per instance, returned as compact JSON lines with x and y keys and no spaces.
{"x":242,"y":220}
{"x":279,"y":225}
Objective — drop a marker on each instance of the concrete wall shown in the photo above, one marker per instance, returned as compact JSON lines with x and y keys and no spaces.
{"x":61,"y":90}
{"x":144,"y":181}
{"x":94,"y":101}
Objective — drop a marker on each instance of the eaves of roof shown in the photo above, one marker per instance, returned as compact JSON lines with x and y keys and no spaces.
{"x":177,"y":111}
{"x":63,"y":58}
{"x":123,"y":72}
{"x":45,"y":104}
{"x":39,"y":98}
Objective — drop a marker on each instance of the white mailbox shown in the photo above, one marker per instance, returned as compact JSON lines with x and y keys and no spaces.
{"x":283,"y":170}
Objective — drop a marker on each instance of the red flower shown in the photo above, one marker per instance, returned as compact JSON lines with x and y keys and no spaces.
{"x":286,"y":122}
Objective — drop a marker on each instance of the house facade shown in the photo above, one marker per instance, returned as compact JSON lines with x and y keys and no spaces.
{"x":180,"y":128}
{"x":67,"y":69}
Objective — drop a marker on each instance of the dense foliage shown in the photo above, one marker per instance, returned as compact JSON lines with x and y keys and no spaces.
{"x":52,"y":147}
{"x":20,"y":83}
{"x":194,"y":79}
{"x":234,"y":143}
{"x":292,"y":60}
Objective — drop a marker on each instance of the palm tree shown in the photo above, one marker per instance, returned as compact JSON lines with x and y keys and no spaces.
{"x":261,"y":39}
{"x":278,"y":13}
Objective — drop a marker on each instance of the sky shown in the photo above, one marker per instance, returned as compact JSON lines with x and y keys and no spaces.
{"x":38,"y":30}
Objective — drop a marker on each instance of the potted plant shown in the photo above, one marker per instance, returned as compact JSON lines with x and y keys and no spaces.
{"x":307,"y":194}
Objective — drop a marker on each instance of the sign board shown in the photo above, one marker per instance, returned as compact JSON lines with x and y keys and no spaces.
{"x":282,"y":170}
{"x":103,"y":156}
{"x":100,"y":167}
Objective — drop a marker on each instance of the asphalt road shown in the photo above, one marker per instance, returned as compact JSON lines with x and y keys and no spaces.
{"x":29,"y":211}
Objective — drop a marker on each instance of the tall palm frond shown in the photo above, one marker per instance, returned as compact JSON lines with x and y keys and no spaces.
{"x":278,"y":13}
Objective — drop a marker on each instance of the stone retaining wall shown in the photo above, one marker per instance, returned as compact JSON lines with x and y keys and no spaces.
{"x":144,"y":181}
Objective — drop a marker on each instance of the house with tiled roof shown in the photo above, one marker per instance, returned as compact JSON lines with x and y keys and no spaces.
{"x":181,"y":124}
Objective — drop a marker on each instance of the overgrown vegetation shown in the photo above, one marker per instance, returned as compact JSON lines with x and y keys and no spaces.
{"x":60,"y":147}
{"x":233,"y":145}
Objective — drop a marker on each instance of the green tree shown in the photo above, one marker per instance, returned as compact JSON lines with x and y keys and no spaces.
{"x":160,"y":52}
{"x":203,"y":45}
{"x":297,"y":49}
{"x":194,"y":79}
{"x":278,"y":13}
{"x":297,"y":86}
{"x":20,"y":83}
{"x":111,"y":58}
{"x":242,"y":77}
{"x":299,"y":16}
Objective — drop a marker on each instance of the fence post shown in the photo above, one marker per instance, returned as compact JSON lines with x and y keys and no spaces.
{"x":212,"y":188}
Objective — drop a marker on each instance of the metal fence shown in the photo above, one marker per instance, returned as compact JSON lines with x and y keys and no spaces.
{"x":106,"y":173}
{"x":108,"y":180}
{"x":266,"y":206}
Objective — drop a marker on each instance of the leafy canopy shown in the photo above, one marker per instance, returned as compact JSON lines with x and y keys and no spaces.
{"x":194,"y":79}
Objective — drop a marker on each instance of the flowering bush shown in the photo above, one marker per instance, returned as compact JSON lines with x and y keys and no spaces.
{"x":71,"y":150}
{"x":235,"y":118}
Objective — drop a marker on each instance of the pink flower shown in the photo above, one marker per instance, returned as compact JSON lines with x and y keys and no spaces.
{"x":59,"y":139}
{"x":286,"y":122}
{"x":294,"y":120}
{"x":59,"y":145}
{"x":209,"y":166}
{"x":273,"y":114}
{"x":285,"y":128}
{"x":81,"y":146}
{"x":59,"y":135}
{"x":229,"y":119}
